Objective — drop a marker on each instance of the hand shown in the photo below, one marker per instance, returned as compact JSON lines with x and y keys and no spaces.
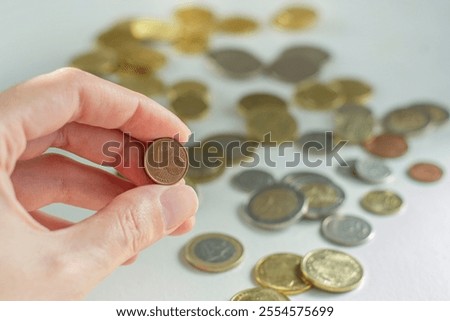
{"x":45,"y":257}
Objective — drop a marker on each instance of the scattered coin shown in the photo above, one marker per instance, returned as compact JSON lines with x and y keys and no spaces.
{"x":191,"y":87}
{"x":348,"y":170}
{"x":382,"y":202}
{"x":147,"y":85}
{"x":235,"y":63}
{"x":316,"y":55}
{"x":259,"y":294}
{"x":387,"y":145}
{"x":295,"y":18}
{"x":255,"y":102}
{"x":438,"y":114}
{"x":195,"y":18}
{"x":281,"y":126}
{"x":252,"y":180}
{"x":189,"y":107}
{"x":373,"y":171}
{"x":425,"y":172}
{"x":237,"y":25}
{"x":298,"y":179}
{"x":315,"y":142}
{"x":332,"y":270}
{"x":406,"y":121}
{"x":323,"y":199}
{"x":201,"y":169}
{"x":346,"y":230}
{"x":354,"y":91}
{"x":214,"y":252}
{"x":293,"y":67}
{"x":99,"y":62}
{"x":354,"y":123}
{"x":316,"y":96}
{"x":154,"y":30}
{"x":276,"y":206}
{"x":281,"y":272}
{"x":192,"y":42}
{"x":140,"y":60}
{"x":166,"y":161}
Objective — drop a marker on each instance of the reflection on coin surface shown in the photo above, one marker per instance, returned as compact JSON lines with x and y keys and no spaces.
{"x":276,"y":206}
{"x":373,"y":171}
{"x":346,"y":230}
{"x":406,"y":121}
{"x":251,"y":180}
{"x":153,"y":29}
{"x":387,"y":145}
{"x":382,"y":202}
{"x":281,"y":272}
{"x":259,"y":294}
{"x":332,"y":270}
{"x":425,"y":172}
{"x":235,"y":62}
{"x":214,"y":252}
{"x":166,"y":161}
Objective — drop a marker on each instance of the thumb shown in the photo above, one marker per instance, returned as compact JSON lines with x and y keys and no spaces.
{"x":130,"y":223}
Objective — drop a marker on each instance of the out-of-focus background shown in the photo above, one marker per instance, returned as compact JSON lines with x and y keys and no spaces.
{"x":399,"y":47}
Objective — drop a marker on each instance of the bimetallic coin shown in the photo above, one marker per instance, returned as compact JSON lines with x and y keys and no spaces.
{"x":354,"y":91}
{"x":406,"y":121}
{"x":346,"y":230}
{"x":293,"y":68}
{"x":191,"y":87}
{"x":332,"y":270}
{"x":256,"y":102}
{"x":237,"y":25}
{"x":166,"y":161}
{"x":316,"y":55}
{"x":259,"y":294}
{"x":438,"y":114}
{"x":316,"y":96}
{"x":147,"y":85}
{"x":387,"y":145}
{"x":189,"y":107}
{"x":99,"y":62}
{"x":201,"y":168}
{"x":425,"y":172}
{"x":214,"y":252}
{"x":354,"y":123}
{"x":295,"y":18}
{"x":373,"y":171}
{"x":235,"y":63}
{"x":382,"y":202}
{"x":272,"y":125}
{"x":251,"y":180}
{"x":281,"y":272}
{"x":276,"y":206}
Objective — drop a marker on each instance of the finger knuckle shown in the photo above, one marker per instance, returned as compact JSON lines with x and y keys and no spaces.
{"x":136,"y":229}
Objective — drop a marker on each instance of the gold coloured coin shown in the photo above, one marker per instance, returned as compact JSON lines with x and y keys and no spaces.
{"x":316,"y":96}
{"x":193,"y":17}
{"x":214,"y":252}
{"x":281,"y":272}
{"x":273,"y":125}
{"x":147,"y":85}
{"x":382,"y":202}
{"x":191,"y":87}
{"x":117,"y":37}
{"x":406,"y":121}
{"x":295,"y":18}
{"x":438,"y":114}
{"x":140,"y":60}
{"x":354,"y":91}
{"x":332,"y":270}
{"x":237,"y":25}
{"x":259,"y":294}
{"x":153,"y":29}
{"x":202,"y":169}
{"x":99,"y":62}
{"x":191,"y":41}
{"x":189,"y":107}
{"x":354,"y":123}
{"x":256,"y":101}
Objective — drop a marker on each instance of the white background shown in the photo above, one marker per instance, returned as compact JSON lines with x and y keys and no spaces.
{"x":400,"y":47}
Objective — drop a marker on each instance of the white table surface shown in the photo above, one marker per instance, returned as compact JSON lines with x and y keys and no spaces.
{"x":400,"y":47}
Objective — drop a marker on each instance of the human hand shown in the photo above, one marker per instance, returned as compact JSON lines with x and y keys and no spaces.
{"x":45,"y":257}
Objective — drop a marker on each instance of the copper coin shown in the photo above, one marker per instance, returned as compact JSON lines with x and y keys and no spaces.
{"x":425,"y":172}
{"x":387,"y":145}
{"x":166,"y":161}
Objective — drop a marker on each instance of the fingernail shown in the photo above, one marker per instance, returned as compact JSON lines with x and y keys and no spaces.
{"x":179,"y":202}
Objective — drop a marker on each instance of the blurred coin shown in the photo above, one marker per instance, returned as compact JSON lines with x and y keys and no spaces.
{"x":259,"y":294}
{"x":316,"y":96}
{"x":191,"y":42}
{"x":280,"y":272}
{"x":354,"y":91}
{"x":98,"y":62}
{"x":153,"y":29}
{"x":237,"y":25}
{"x":214,"y":252}
{"x":147,"y":85}
{"x":201,"y":168}
{"x":117,"y":37}
{"x":235,"y":63}
{"x":438,"y":114}
{"x":298,"y":179}
{"x":316,"y":55}
{"x":406,"y":121}
{"x":349,"y":170}
{"x":255,"y":102}
{"x":313,"y":142}
{"x":251,"y":180}
{"x":382,"y":202}
{"x":166,"y":161}
{"x":295,"y":18}
{"x":195,"y":17}
{"x":373,"y":171}
{"x":276,"y":206}
{"x":293,"y":68}
{"x":140,"y":60}
{"x":346,"y":230}
{"x":192,"y":87}
{"x":189,"y":107}
{"x":354,"y":123}
{"x":323,"y":199}
{"x":387,"y":145}
{"x":332,"y":270}
{"x":281,"y":126}
{"x":425,"y":172}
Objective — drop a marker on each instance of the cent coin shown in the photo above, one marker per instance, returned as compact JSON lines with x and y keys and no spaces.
{"x":425,"y":172}
{"x":387,"y":145}
{"x":382,"y":202}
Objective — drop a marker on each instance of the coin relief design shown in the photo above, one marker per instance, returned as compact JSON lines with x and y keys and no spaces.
{"x":382,"y":202}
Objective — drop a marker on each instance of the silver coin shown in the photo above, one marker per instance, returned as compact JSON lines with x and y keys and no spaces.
{"x":275,"y":207}
{"x":214,"y":250}
{"x":235,"y":63}
{"x":293,"y":68}
{"x":313,"y":143}
{"x":438,"y":114}
{"x":315,"y":54}
{"x":373,"y":171}
{"x":406,"y":121}
{"x":346,"y":230}
{"x":296,"y":179}
{"x":252,"y":180}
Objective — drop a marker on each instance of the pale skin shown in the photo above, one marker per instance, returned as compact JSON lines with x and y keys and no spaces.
{"x":43,"y":256}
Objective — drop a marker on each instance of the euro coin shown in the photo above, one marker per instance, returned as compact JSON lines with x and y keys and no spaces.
{"x":346,"y":230}
{"x":406,"y":121}
{"x":259,"y":294}
{"x":189,"y":107}
{"x":318,"y":56}
{"x":293,"y":68}
{"x":295,"y":18}
{"x":354,"y":91}
{"x":98,"y":62}
{"x":272,"y":125}
{"x":195,"y":17}
{"x":154,"y":30}
{"x":235,"y":63}
{"x":425,"y":172}
{"x":258,"y":101}
{"x":191,"y":87}
{"x":237,"y":25}
{"x":202,"y":169}
{"x":373,"y":171}
{"x":252,"y":180}
{"x":314,"y":142}
{"x":318,"y":97}
{"x":191,"y":42}
{"x":387,"y":145}
{"x":438,"y":114}
{"x":214,"y":252}
{"x":354,"y":123}
{"x":382,"y":202}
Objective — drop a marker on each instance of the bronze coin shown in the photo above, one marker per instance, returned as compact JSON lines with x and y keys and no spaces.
{"x":425,"y":172}
{"x":166,"y":161}
{"x":387,"y":145}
